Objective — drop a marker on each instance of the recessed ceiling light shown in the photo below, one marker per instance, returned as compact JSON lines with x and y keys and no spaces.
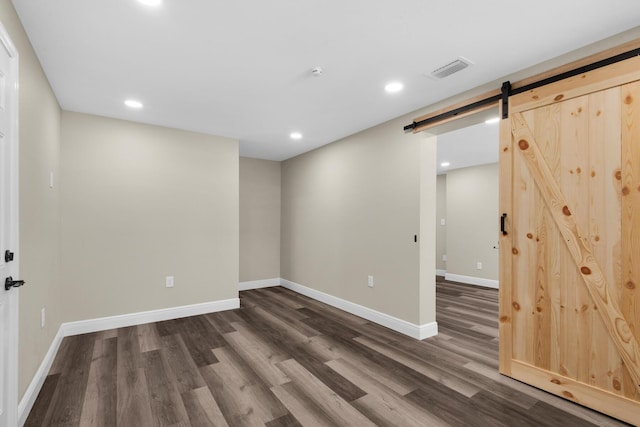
{"x":445,"y":164}
{"x":295,"y":135}
{"x":492,"y":120}
{"x":151,"y":2}
{"x":393,"y":87}
{"x":132,"y":103}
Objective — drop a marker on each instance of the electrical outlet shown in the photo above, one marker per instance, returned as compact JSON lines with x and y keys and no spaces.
{"x":168,"y":281}
{"x":443,"y":221}
{"x":43,"y":318}
{"x":479,"y":266}
{"x":444,"y":257}
{"x":370,"y":281}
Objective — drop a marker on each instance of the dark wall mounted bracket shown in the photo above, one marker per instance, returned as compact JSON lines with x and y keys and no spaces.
{"x":506,"y":93}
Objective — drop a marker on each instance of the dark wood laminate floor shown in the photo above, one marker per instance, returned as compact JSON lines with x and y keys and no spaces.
{"x":285,"y":360}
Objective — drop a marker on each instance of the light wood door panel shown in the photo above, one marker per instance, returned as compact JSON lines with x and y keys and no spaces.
{"x":570,"y":185}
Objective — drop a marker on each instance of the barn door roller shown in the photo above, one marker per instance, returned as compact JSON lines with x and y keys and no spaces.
{"x":506,"y":93}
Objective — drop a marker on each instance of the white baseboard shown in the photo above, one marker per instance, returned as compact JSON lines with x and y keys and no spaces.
{"x":428,"y":330}
{"x":258,"y":284}
{"x":30,"y":395}
{"x":487,"y":283}
{"x":124,"y":320}
{"x":419,"y":332}
{"x":441,"y":272}
{"x":103,"y":324}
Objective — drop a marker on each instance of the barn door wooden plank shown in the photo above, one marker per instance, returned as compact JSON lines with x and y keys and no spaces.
{"x":580,"y":249}
{"x":606,"y":370}
{"x":506,"y":276}
{"x":574,"y":181}
{"x":630,"y":181}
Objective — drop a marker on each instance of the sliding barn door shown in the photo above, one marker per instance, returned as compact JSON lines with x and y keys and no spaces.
{"x":570,"y":261}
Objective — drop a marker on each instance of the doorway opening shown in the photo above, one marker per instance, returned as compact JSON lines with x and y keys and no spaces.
{"x":467,"y":204}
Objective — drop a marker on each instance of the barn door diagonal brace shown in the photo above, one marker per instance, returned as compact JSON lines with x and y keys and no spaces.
{"x":580,"y":250}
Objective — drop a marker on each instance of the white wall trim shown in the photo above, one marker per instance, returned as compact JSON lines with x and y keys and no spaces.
{"x":132,"y":319}
{"x":258,"y":284}
{"x":441,"y":272}
{"x":428,"y":330}
{"x":30,"y":395}
{"x":103,"y":324}
{"x":487,"y":283}
{"x":419,"y":332}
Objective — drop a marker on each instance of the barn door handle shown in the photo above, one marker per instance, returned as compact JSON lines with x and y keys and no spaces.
{"x":502,"y":220}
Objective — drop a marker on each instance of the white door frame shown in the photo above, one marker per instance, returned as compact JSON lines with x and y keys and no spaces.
{"x":11,"y":330}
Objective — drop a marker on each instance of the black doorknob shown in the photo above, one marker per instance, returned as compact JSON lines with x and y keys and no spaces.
{"x":10,"y":283}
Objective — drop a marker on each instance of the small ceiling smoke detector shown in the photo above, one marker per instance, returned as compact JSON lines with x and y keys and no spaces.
{"x":450,"y":68}
{"x":295,"y":135}
{"x":317,"y":71}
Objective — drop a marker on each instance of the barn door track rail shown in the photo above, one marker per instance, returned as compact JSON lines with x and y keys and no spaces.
{"x":507,"y":91}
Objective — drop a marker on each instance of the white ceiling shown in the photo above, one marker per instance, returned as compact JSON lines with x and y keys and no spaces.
{"x":242,"y":68}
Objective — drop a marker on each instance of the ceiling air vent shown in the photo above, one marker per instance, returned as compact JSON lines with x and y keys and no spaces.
{"x":452,"y":67}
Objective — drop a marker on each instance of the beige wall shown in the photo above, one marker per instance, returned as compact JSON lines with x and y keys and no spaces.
{"x":472,"y":221}
{"x":259,"y":219}
{"x":39,"y":136}
{"x":441,"y":213}
{"x":140,"y":203}
{"x":427,"y":235}
{"x":351,"y":209}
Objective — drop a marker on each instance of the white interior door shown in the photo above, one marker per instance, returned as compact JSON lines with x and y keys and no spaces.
{"x":8,"y":230}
